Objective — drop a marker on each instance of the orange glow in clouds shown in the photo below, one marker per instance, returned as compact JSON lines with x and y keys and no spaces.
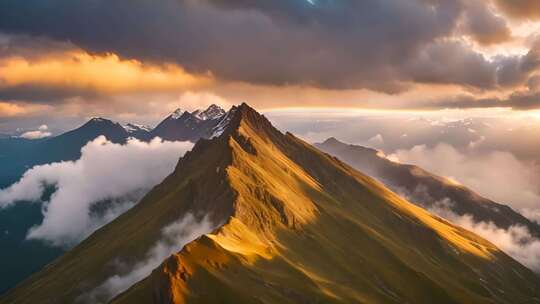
{"x":98,"y":73}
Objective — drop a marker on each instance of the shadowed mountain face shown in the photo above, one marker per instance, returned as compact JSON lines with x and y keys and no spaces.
{"x":427,"y":189}
{"x":294,"y":225}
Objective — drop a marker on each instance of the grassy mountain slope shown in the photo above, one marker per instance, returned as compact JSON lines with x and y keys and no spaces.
{"x":300,"y":227}
{"x":427,"y":189}
{"x":307,"y":228}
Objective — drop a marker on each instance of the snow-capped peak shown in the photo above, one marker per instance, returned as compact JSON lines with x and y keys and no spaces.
{"x":177,"y":113}
{"x":212,"y":112}
{"x":98,"y":119}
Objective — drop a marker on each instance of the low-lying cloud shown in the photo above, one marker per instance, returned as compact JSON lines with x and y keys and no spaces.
{"x":41,"y":132}
{"x":497,"y":175}
{"x":174,"y":237}
{"x":516,"y":241}
{"x":106,"y":181}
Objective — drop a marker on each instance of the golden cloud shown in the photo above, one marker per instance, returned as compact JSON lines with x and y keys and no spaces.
{"x":8,"y":109}
{"x":108,"y":74}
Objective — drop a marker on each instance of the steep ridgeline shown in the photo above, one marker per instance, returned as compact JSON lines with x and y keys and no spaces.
{"x":294,"y":225}
{"x":426,"y":189}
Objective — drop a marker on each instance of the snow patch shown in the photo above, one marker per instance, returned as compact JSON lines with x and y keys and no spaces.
{"x":223,"y":124}
{"x":177,"y":113}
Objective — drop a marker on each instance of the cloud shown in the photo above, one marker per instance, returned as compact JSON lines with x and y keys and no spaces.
{"x":9,"y":109}
{"x":354,"y":53}
{"x":497,"y":175}
{"x":528,"y":9}
{"x":339,"y":45}
{"x":41,"y":132}
{"x":60,"y":75}
{"x":455,"y":62}
{"x":89,"y":192}
{"x":516,"y":241}
{"x":484,"y":25}
{"x":174,"y":237}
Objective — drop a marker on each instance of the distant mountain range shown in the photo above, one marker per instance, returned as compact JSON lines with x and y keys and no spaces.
{"x":289,"y":224}
{"x":18,"y":154}
{"x":427,"y":189}
{"x":189,"y":126}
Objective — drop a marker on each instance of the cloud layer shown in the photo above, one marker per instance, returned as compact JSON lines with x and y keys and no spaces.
{"x":88,"y":193}
{"x":415,"y":54}
{"x":497,"y":175}
{"x":341,"y":45}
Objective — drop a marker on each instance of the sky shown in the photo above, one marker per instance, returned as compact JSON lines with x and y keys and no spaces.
{"x":134,"y":60}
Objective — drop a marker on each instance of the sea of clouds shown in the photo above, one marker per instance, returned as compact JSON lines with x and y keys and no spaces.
{"x":90,"y":192}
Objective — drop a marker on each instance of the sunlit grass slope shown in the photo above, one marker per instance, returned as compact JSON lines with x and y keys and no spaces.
{"x":306,"y":228}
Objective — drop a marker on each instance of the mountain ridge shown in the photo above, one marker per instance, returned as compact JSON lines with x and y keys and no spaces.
{"x":297,"y":225}
{"x":427,"y":189}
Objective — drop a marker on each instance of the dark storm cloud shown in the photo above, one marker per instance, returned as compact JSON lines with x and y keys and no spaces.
{"x":30,"y":47}
{"x":43,"y":93}
{"x":332,"y":44}
{"x":483,"y":25}
{"x":452,"y":62}
{"x":526,"y":100}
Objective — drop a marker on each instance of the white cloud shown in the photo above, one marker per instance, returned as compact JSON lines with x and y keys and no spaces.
{"x":41,"y":132}
{"x":174,"y":237}
{"x":515,"y":241}
{"x":497,"y":175}
{"x":108,"y":177}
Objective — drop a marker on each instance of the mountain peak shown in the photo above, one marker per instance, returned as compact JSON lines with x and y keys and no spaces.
{"x":99,"y":119}
{"x":331,"y":141}
{"x":237,"y":115}
{"x":100,"y":122}
{"x":212,"y":112}
{"x":177,"y":113}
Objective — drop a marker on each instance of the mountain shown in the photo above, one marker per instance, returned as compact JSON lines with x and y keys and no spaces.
{"x":426,"y":189}
{"x":290,"y":224}
{"x":183,"y":125}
